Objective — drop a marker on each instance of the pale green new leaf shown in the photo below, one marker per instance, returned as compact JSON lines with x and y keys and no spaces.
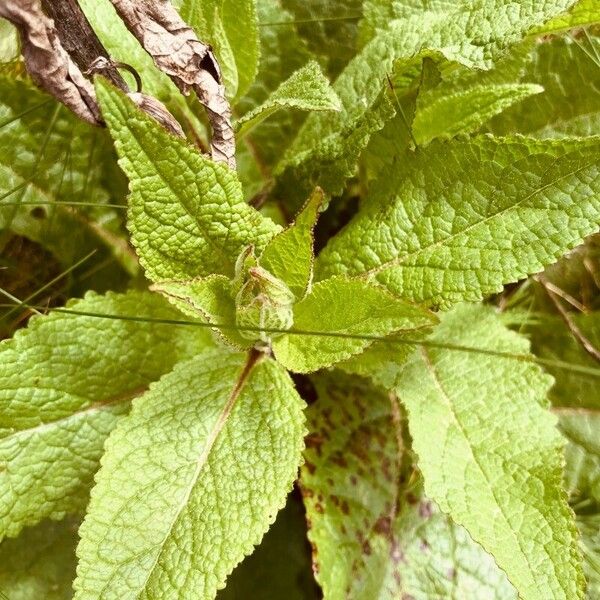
{"x":465,"y":110}
{"x":343,"y":308}
{"x":187,"y":221}
{"x":570,"y":103}
{"x":209,"y":299}
{"x":374,"y":535}
{"x":306,"y":89}
{"x":457,"y":220}
{"x":40,"y":563}
{"x":191,"y":480}
{"x":231,"y":27}
{"x":65,"y":381}
{"x":496,"y":464}
{"x":289,"y":255}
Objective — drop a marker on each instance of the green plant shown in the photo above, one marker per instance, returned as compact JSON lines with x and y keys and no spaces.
{"x":455,"y":154}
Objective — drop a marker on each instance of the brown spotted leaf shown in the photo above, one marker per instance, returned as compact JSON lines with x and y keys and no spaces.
{"x":374,"y":535}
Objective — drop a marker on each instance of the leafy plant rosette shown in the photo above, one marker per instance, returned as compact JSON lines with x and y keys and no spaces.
{"x":430,"y":464}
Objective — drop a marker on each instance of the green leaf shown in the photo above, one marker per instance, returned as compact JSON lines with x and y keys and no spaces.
{"x":49,"y":156}
{"x":457,"y":220}
{"x":306,"y":89}
{"x":208,"y":299}
{"x":231,"y":27}
{"x":383,"y":361}
{"x":575,"y":398}
{"x":375,"y":536}
{"x":191,"y":480}
{"x":470,"y":35}
{"x":64,"y":383}
{"x":589,"y":526}
{"x":465,"y":110}
{"x":582,"y":13}
{"x":282,"y":53}
{"x":570,"y":104}
{"x":329,"y":28}
{"x":40,"y":563}
{"x":331,"y":159}
{"x":185,"y":222}
{"x":496,"y":465}
{"x":343,"y":308}
{"x":582,"y":430}
{"x":9,"y":44}
{"x":443,"y":85}
{"x":492,"y":16}
{"x":289,"y":255}
{"x":124,"y":47}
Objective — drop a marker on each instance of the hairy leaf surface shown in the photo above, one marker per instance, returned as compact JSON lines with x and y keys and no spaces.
{"x":306,"y":89}
{"x":185,"y":222}
{"x":345,"y":307}
{"x":465,"y":110}
{"x":496,"y":464}
{"x":461,"y":32}
{"x":581,"y":14}
{"x":289,"y":255}
{"x":191,"y":480}
{"x":64,"y":383}
{"x":208,"y":299}
{"x":457,"y":220}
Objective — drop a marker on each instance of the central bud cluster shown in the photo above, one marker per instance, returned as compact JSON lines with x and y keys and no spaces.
{"x":262,"y":301}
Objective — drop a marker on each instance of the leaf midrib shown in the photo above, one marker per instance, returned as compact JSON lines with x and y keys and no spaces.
{"x":438,"y":384}
{"x":402,"y":259}
{"x":98,"y":405}
{"x":252,"y":359}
